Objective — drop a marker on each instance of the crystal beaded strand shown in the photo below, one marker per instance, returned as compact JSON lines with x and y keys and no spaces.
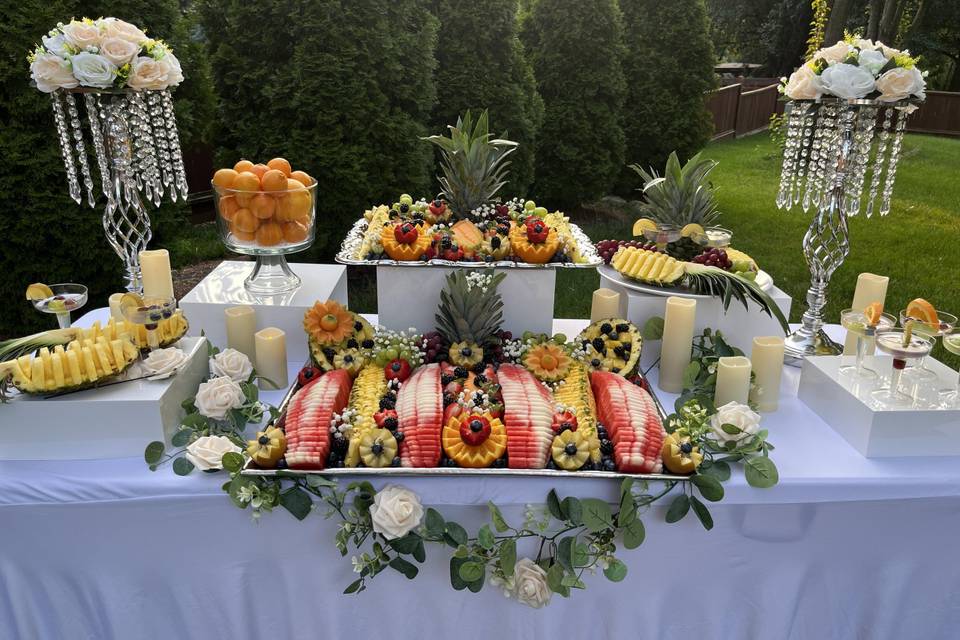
{"x":145,"y":148}
{"x":81,"y":147}
{"x":862,"y":143}
{"x":791,"y":146}
{"x":63,"y":136}
{"x":99,"y":150}
{"x":806,"y":134}
{"x":826,"y":160}
{"x":158,"y":125}
{"x":882,"y":139}
{"x":173,"y":138}
{"x":813,"y":166}
{"x":892,"y":164}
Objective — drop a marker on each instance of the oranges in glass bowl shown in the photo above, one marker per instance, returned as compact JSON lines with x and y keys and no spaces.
{"x":265,"y":208}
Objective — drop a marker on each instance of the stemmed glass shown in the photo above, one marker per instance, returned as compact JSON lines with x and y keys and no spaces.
{"x":663,"y":235}
{"x":63,"y":299}
{"x":148,"y":311}
{"x":857,"y":322}
{"x":952,"y":344}
{"x":945,"y":324}
{"x":904,"y":345}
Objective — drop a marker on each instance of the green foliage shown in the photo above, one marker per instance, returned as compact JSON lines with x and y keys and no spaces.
{"x":768,"y":32}
{"x":818,"y":24}
{"x":577,"y":50}
{"x":481,"y":65}
{"x":669,"y":65}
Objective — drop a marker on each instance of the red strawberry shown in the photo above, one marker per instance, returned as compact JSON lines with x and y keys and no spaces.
{"x":453,"y":409}
{"x":438,"y":207}
{"x":537,"y":231}
{"x":454,"y":253}
{"x":307,"y":374}
{"x":474,"y":430}
{"x":406,"y":233}
{"x":454,"y":387}
{"x":564,"y":420}
{"x":398,"y":369}
{"x":380,"y":417}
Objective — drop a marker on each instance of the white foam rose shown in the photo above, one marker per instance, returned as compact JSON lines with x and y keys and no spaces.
{"x":118,"y":51}
{"x":395,"y":512}
{"x":147,"y":73}
{"x":804,"y":84}
{"x":115,"y":28}
{"x":163,"y":363}
{"x":740,"y":416}
{"x":901,"y":83}
{"x":216,"y":397}
{"x":232,"y":364}
{"x":175,"y":75}
{"x":836,"y":53}
{"x":93,"y":70}
{"x":530,"y":584}
{"x":51,"y":72}
{"x":56,"y":44}
{"x":872,"y":60}
{"x":847,"y":81}
{"x":863,"y":44}
{"x":206,"y":453}
{"x":82,"y":35}
{"x":889,"y":52}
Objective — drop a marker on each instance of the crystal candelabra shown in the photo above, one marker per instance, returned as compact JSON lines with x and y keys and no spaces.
{"x":137,"y":150}
{"x":832,"y":146}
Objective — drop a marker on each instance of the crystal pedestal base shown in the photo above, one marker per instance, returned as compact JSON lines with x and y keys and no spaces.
{"x":802,"y":344}
{"x":271,"y":275}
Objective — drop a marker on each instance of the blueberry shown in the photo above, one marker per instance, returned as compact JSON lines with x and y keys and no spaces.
{"x":390,"y":423}
{"x":367,"y":344}
{"x":570,"y":449}
{"x":263,"y":440}
{"x":564,"y":426}
{"x":613,"y":335}
{"x":479,"y":368}
{"x":587,"y":466}
{"x":329,"y":353}
{"x":358,"y":326}
{"x":404,"y":207}
{"x":398,"y":436}
{"x":606,"y":446}
{"x":476,"y":426}
{"x":686,"y":447}
{"x":598,"y":344}
{"x":282,"y":463}
{"x":609,"y":465}
{"x":466,"y":352}
{"x":601,"y":432}
{"x":376,"y":449}
{"x":606,"y":328}
{"x":340,"y":464}
{"x":595,"y":362}
{"x":615,"y":370}
{"x":395,"y":462}
{"x":390,"y":395}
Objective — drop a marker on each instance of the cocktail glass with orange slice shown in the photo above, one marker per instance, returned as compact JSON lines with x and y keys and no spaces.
{"x":148,"y":311}
{"x":58,"y":299}
{"x":865,"y":325}
{"x":951,"y":343}
{"x":905,"y":346}
{"x":928,"y":322}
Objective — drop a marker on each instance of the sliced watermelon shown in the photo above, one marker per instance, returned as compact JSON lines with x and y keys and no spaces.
{"x":420,"y":417}
{"x":528,"y":416}
{"x":630,"y":416}
{"x":308,"y":418}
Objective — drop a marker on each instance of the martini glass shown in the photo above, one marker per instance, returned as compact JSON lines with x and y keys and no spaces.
{"x":149,"y":313}
{"x":663,"y":235}
{"x":713,"y":237}
{"x":66,"y":297}
{"x":915,"y":347}
{"x":946,"y":323}
{"x":856,"y":321}
{"x":952,"y":344}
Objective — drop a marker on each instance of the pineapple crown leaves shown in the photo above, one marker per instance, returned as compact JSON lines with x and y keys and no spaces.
{"x":474,"y":164}
{"x":469,"y":314}
{"x":715,"y":281}
{"x":682,"y":195}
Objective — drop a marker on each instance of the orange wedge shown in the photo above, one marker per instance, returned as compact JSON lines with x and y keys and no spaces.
{"x":920,"y":309}
{"x":873,"y":313}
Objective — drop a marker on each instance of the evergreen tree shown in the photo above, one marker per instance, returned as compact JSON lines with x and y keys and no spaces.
{"x":481,"y":65}
{"x":669,"y":69}
{"x":576,"y":50}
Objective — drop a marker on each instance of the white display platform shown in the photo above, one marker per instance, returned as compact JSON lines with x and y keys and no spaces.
{"x":527,"y":297}
{"x":847,"y":407}
{"x":223,"y":288}
{"x":115,"y":421}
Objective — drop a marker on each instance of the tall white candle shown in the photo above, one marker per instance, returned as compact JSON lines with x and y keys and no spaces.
{"x":733,"y":380}
{"x":870,"y":288}
{"x":606,"y":304}
{"x":677,"y":344}
{"x":155,"y":271}
{"x":241,"y":325}
{"x":767,"y":361}
{"x":114,"y":302}
{"x":271,"y":347}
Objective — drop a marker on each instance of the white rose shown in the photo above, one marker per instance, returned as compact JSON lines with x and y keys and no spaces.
{"x":889,"y":52}
{"x":395,"y":511}
{"x":804,"y":84}
{"x":118,"y":51}
{"x":900,"y":83}
{"x":51,"y":72}
{"x":206,"y":453}
{"x":93,"y":70}
{"x":836,"y":53}
{"x":217,"y":396}
{"x":175,"y":75}
{"x":56,"y":44}
{"x":147,"y":73}
{"x":530,"y":584}
{"x":872,"y":61}
{"x":847,"y":81}
{"x":163,"y":363}
{"x":863,"y":44}
{"x":82,"y":35}
{"x":114,"y":28}
{"x":232,"y":364}
{"x":739,"y":415}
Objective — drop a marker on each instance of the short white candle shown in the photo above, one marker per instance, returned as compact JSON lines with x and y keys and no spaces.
{"x":155,"y":271}
{"x":677,"y":344}
{"x":114,"y":302}
{"x":767,"y":361}
{"x":870,"y":288}
{"x":241,"y":325}
{"x":606,"y":304}
{"x":271,"y":346}
{"x":733,"y":380}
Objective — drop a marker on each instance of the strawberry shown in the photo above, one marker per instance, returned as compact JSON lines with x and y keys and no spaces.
{"x":438,"y":208}
{"x":563,"y":421}
{"x":474,"y":430}
{"x":454,"y":387}
{"x":454,"y":409}
{"x":398,"y":369}
{"x":307,"y":374}
{"x":406,"y":233}
{"x":537,"y":231}
{"x":381,"y":417}
{"x":454,"y":253}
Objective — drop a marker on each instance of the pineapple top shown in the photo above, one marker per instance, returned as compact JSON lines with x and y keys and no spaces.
{"x":682,"y":195}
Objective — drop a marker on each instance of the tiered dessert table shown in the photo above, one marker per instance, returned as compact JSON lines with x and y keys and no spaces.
{"x":843,"y":547}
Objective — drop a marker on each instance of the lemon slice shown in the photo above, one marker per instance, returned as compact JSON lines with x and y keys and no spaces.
{"x":38,"y":291}
{"x":690,"y":230}
{"x":643,"y":223}
{"x":130,"y":300}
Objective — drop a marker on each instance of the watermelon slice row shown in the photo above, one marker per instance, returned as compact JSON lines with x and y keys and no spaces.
{"x":528,"y":416}
{"x":420,"y":417}
{"x":631,"y":419}
{"x":309,"y":415}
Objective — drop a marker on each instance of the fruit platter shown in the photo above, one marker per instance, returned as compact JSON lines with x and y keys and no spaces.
{"x":467,"y":398}
{"x":467,"y":223}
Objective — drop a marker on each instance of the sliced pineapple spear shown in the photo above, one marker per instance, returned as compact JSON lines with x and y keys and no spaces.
{"x":82,"y":363}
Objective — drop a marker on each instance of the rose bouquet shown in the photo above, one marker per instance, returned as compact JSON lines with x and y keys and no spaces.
{"x":106,"y":53}
{"x":854,"y":69}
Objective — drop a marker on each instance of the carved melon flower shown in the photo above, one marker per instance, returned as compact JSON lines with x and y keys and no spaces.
{"x":547,"y":361}
{"x":329,"y":323}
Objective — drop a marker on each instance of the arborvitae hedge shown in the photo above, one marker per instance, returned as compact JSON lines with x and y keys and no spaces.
{"x":481,"y":65}
{"x":44,"y":235}
{"x":341,"y":88}
{"x":576,"y":49}
{"x":669,"y":64}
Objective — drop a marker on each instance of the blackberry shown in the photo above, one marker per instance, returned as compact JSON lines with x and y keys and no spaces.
{"x":606,"y":328}
{"x":340,"y":464}
{"x":395,"y":462}
{"x":480,"y":379}
{"x":446,"y":379}
{"x":367,"y":344}
{"x":598,"y":344}
{"x":387,"y":403}
{"x":595,"y":362}
{"x":340,"y":444}
{"x":390,"y":395}
{"x":614,"y":369}
{"x":358,"y":326}
{"x":606,"y":446}
{"x":609,"y":465}
{"x":391,"y":423}
{"x":352,"y":343}
{"x":623,"y":327}
{"x":587,"y":466}
{"x":460,"y":372}
{"x":551,"y":464}
{"x":564,"y":426}
{"x":479,"y":368}
{"x":620,"y":352}
{"x":500,"y":463}
{"x":601,"y":432}
{"x":448,"y":399}
{"x":495,"y":242}
{"x":488,"y":258}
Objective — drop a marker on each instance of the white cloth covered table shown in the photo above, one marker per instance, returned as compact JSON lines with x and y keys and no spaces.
{"x":843,"y":547}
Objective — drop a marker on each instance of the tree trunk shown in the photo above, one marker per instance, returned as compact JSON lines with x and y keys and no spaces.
{"x":918,"y":17}
{"x":836,"y":23}
{"x":873,"y":26}
{"x":888,"y":22}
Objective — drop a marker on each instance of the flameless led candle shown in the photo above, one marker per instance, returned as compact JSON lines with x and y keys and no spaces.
{"x":733,"y":380}
{"x":767,"y":361}
{"x":241,"y":325}
{"x":606,"y":304}
{"x":155,"y":271}
{"x":114,"y":302}
{"x":677,"y":342}
{"x":870,"y":288}
{"x":271,"y":347}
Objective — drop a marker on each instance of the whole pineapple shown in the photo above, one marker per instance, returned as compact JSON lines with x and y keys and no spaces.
{"x":469,"y":316}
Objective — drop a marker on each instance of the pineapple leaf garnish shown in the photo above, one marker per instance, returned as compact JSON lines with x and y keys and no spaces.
{"x":469,"y":312}
{"x":728,"y":286}
{"x":682,"y":195}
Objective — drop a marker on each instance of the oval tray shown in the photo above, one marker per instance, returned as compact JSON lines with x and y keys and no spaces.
{"x":764,"y":280}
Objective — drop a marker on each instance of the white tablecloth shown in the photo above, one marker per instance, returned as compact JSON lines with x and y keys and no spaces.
{"x":843,"y":547}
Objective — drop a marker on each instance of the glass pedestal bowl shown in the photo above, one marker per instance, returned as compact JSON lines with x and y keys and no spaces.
{"x":148,"y":311}
{"x":944,"y":325}
{"x":891,"y":341}
{"x":66,"y":297}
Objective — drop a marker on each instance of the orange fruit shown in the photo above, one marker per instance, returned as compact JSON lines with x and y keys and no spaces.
{"x":269,"y":234}
{"x":295,"y":204}
{"x":229,"y":207}
{"x":920,"y":309}
{"x":873,"y":313}
{"x":280,"y":164}
{"x":259,"y":170}
{"x":224,"y":178}
{"x":247,"y":181}
{"x":243,"y":236}
{"x":302,"y":177}
{"x":243,"y":165}
{"x":294,"y":184}
{"x":294,"y":232}
{"x":274,"y":180}
{"x":263,"y":205}
{"x":245,"y":221}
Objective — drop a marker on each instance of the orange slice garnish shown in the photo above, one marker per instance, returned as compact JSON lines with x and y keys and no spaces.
{"x":873,"y":313}
{"x":920,"y":309}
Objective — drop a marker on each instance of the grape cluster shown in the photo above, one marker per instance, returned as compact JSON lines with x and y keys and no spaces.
{"x":496,"y":351}
{"x":714,"y":258}
{"x":607,"y":248}
{"x":435,"y":347}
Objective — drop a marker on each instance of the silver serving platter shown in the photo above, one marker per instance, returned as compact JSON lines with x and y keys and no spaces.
{"x":354,"y":238}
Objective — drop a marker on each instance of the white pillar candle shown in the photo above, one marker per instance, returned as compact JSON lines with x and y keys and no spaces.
{"x":114,"y":302}
{"x":155,"y":271}
{"x":733,"y":380}
{"x":870,"y":288}
{"x":767,"y":361}
{"x":271,"y":347}
{"x":677,"y":344}
{"x":241,"y":325}
{"x":606,"y":304}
